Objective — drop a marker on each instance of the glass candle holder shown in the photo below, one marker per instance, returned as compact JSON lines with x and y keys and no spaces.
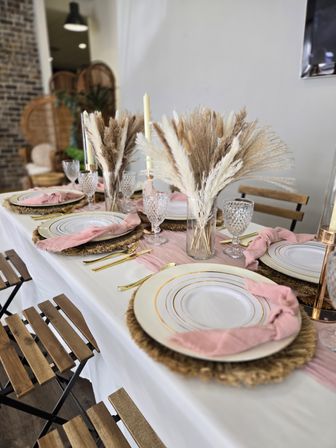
{"x":327,"y":227}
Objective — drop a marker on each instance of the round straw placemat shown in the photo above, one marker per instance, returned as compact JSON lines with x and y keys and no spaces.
{"x":305,"y":291}
{"x":180,"y":226}
{"x":272,"y":369}
{"x":98,"y":247}
{"x":22,"y":210}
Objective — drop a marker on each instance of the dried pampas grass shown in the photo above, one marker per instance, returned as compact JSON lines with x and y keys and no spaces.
{"x":114,"y":145}
{"x":201,"y":153}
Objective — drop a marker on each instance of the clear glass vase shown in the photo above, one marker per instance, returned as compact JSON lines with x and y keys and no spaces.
{"x":201,"y":233}
{"x":111,"y":191}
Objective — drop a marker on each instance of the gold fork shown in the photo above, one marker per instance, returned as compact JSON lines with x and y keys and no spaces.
{"x":128,"y":250}
{"x":243,"y":237}
{"x":143,"y":279}
{"x":122,"y":260}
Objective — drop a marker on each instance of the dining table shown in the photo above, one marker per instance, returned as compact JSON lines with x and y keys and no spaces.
{"x":300,"y":411}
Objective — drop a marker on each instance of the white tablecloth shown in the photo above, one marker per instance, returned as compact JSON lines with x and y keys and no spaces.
{"x":186,"y":413}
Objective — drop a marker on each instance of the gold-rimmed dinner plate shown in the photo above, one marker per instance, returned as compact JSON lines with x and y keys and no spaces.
{"x":177,"y":211}
{"x":76,"y":222}
{"x":302,"y":260}
{"x":203,"y":296}
{"x":18,"y":198}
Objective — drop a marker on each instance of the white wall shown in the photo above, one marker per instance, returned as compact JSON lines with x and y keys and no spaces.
{"x":226,"y":54}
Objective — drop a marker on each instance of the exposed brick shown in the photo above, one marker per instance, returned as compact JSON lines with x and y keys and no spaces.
{"x":20,"y":82}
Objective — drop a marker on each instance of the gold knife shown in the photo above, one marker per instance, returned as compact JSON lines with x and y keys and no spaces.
{"x":122,"y":260}
{"x":243,"y":237}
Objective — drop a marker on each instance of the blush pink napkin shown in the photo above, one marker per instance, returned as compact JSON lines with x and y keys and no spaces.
{"x":282,"y":323}
{"x":59,"y":243}
{"x":266,"y":237}
{"x":50,"y":198}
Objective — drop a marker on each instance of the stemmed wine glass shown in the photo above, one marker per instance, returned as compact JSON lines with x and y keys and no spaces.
{"x":127,"y":188}
{"x":71,"y":169}
{"x":155,"y":207}
{"x":237,"y":216}
{"x":328,"y":335}
{"x":88,"y":181}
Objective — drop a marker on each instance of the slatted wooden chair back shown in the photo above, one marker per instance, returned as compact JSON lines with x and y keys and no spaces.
{"x":81,"y":347}
{"x":293,"y":215}
{"x":63,"y":81}
{"x":106,"y":427}
{"x":45,"y":121}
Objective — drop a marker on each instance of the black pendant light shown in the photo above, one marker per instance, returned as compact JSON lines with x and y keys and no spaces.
{"x":75,"y":21}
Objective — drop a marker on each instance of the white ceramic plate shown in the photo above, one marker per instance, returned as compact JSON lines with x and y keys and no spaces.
{"x":19,"y":197}
{"x":75,"y":222}
{"x":177,"y":210}
{"x":203,"y":296}
{"x":302,"y":260}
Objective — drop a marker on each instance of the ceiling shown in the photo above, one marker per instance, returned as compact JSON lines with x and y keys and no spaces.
{"x":64,"y":44}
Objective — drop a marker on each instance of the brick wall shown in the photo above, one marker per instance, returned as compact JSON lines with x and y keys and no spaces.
{"x":20,"y":81}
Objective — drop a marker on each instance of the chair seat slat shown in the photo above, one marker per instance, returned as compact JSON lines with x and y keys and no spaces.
{"x":19,"y":264}
{"x":106,"y":427}
{"x":71,"y":338}
{"x":78,"y":434}
{"x":8,"y":272}
{"x":35,"y":358}
{"x":14,"y":369}
{"x":76,"y":317}
{"x":51,"y":440}
{"x":135,"y":422}
{"x":56,"y":351}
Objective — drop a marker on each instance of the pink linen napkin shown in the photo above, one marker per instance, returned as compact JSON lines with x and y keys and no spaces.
{"x":59,"y":243}
{"x":282,"y":323}
{"x":50,"y":198}
{"x":266,"y":237}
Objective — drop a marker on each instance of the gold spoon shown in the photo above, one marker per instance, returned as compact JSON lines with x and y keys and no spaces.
{"x":128,"y":250}
{"x":143,"y":279}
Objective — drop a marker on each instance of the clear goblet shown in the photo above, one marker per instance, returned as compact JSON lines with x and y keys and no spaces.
{"x":155,"y":207}
{"x":328,"y":335}
{"x":71,"y":170}
{"x":127,"y":188}
{"x":237,"y":216}
{"x":88,"y":181}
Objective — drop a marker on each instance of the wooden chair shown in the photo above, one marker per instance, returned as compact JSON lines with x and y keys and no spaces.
{"x":27,"y":364}
{"x":13,"y":273}
{"x":294,"y":215}
{"x":63,"y":81}
{"x":108,"y":432}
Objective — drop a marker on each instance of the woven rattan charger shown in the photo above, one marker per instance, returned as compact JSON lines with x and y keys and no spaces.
{"x":67,"y":208}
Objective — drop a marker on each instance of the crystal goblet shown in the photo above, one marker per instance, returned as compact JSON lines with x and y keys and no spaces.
{"x":328,"y":335}
{"x":237,"y":216}
{"x":155,"y":207}
{"x":71,"y":170}
{"x":88,"y":181}
{"x":127,"y":188}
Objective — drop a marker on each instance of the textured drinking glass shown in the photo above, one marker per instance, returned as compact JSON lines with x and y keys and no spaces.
{"x":127,"y":188}
{"x":71,"y":170}
{"x":155,"y":207}
{"x":237,"y":216}
{"x":328,"y":336}
{"x":88,"y":181}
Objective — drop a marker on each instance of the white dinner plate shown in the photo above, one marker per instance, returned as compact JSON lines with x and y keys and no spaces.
{"x":76,"y":222}
{"x":177,"y":210}
{"x":203,"y":296}
{"x":17,"y":199}
{"x":301,"y":260}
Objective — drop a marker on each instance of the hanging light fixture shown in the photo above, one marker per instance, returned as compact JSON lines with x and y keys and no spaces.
{"x":75,"y":21}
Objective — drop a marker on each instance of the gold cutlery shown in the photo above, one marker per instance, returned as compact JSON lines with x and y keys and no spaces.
{"x":45,"y":217}
{"x":143,"y":279}
{"x":122,"y":260}
{"x":243,"y":237}
{"x":128,"y":250}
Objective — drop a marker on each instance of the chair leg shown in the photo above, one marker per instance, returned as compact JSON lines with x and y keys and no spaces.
{"x":61,"y":400}
{"x":16,"y":404}
{"x":3,"y":309}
